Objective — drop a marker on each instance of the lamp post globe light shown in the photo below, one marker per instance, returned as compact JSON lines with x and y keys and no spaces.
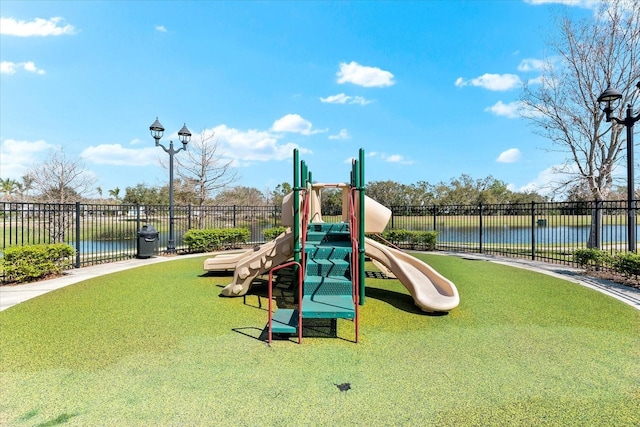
{"x":157,"y":130}
{"x":609,"y":97}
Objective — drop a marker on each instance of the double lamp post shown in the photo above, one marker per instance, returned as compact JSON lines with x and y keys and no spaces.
{"x":608,"y":97}
{"x":157,"y":130}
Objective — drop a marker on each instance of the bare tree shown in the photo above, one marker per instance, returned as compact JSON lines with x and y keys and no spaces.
{"x":203,"y":166}
{"x":203,"y":170}
{"x":60,"y":180}
{"x":588,"y":56}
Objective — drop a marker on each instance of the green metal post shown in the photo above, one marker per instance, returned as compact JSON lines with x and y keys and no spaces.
{"x":361,"y":249}
{"x":296,"y":206}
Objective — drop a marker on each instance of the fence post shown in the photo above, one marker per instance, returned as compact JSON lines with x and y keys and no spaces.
{"x":435,"y":216}
{"x":598,"y":230}
{"x":77,"y":264}
{"x":480,"y":234}
{"x":137,"y":216}
{"x":392,"y":215}
{"x":189,"y":216}
{"x":234,"y":216}
{"x":275,"y":215}
{"x":533,"y":230}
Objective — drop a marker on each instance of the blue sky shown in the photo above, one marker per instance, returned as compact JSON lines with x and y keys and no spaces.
{"x":428,"y":88}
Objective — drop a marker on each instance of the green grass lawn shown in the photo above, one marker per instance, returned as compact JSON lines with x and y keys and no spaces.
{"x":157,"y":346}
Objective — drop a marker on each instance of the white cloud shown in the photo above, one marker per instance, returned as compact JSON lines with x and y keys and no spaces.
{"x":536,"y":81}
{"x":511,"y":155}
{"x":495,"y":82}
{"x":389,"y":158}
{"x":531,"y":64}
{"x":343,"y":134}
{"x":16,"y":157}
{"x":253,"y":145}
{"x":7,"y":67}
{"x":161,"y":28}
{"x":31,"y":67}
{"x":341,"y":98}
{"x":115,"y":154}
{"x":362,"y":75}
{"x":396,"y":158}
{"x":242,"y":147}
{"x":38,"y":27}
{"x":587,"y":4}
{"x":546,"y":181}
{"x":294,"y":123}
{"x":511,"y":110}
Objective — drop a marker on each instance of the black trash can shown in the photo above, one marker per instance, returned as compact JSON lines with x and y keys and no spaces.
{"x":147,"y":241}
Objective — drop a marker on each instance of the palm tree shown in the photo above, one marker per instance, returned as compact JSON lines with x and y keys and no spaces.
{"x":8,"y":187}
{"x":27,"y":184}
{"x":115,"y":193}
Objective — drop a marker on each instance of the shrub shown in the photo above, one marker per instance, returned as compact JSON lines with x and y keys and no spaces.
{"x":215,"y":239}
{"x":424,"y":240}
{"x":272,"y":233}
{"x":396,"y":236}
{"x":591,"y":258}
{"x":627,"y":264}
{"x":33,"y":262}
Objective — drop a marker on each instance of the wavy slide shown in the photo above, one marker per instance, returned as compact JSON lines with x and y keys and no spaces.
{"x":430,"y":290}
{"x":249,"y":264}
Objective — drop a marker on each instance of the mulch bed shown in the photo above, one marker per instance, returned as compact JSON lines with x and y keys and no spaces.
{"x":632,"y":282}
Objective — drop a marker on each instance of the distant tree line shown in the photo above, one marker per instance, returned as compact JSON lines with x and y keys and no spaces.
{"x":60,"y":179}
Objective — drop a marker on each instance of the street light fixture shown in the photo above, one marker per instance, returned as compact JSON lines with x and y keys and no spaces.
{"x":157,"y":130}
{"x":608,"y":97}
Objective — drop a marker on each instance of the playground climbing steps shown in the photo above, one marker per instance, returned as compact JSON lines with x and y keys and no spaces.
{"x":327,"y":289}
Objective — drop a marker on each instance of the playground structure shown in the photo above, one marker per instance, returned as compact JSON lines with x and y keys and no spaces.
{"x":329,"y":257}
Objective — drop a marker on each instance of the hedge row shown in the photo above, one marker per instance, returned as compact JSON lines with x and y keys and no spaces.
{"x":215,"y":239}
{"x":34,"y":262}
{"x":423,"y":240}
{"x":272,"y":233}
{"x":627,"y":263}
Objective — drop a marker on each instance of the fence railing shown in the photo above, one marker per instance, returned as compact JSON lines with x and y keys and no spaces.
{"x":549,"y":231}
{"x":544,"y":231}
{"x":106,"y":233}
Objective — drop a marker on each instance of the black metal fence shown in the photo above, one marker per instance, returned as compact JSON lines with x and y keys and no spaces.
{"x":106,"y":233}
{"x":539,"y":231}
{"x":544,"y":231}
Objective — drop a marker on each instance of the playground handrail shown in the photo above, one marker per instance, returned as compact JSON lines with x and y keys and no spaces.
{"x":270,"y":296}
{"x":355,"y":275}
{"x":304,"y":226}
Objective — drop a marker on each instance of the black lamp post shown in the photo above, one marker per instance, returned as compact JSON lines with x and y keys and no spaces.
{"x":609,"y":96}
{"x":185,"y":136}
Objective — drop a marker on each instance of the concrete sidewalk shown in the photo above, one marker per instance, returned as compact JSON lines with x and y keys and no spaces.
{"x":12,"y":295}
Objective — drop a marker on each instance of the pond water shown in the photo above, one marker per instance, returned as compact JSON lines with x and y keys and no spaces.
{"x":542,"y":235}
{"x":505,"y":235}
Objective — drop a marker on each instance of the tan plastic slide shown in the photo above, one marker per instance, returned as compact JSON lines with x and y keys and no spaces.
{"x":430,"y":290}
{"x":248,"y":265}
